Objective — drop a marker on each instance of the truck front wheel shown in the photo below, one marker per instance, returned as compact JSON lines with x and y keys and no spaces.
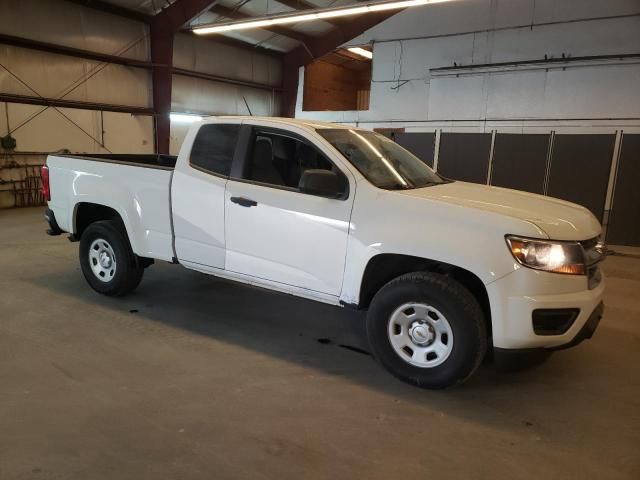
{"x":427,"y":329}
{"x":107,"y":261}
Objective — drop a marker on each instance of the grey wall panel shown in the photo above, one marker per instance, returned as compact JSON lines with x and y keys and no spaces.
{"x":419,"y":143}
{"x":520,"y":161}
{"x":580,"y":166}
{"x":624,"y":220}
{"x":464,"y":156}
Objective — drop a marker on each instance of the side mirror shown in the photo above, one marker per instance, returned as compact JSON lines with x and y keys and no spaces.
{"x":324,"y":183}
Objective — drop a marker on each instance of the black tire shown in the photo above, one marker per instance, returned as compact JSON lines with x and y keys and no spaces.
{"x":457,"y":305}
{"x":128,"y":272}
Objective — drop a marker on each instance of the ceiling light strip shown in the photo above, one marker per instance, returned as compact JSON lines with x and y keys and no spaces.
{"x":361,"y":52}
{"x":319,"y":14}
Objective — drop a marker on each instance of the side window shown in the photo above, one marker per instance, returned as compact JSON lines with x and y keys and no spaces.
{"x":214,"y":147}
{"x":280,"y":160}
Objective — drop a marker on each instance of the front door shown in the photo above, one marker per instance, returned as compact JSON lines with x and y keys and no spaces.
{"x":275,"y":232}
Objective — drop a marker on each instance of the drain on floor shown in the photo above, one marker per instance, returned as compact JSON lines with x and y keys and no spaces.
{"x":327,"y":341}
{"x":133,"y":311}
{"x":355,"y":349}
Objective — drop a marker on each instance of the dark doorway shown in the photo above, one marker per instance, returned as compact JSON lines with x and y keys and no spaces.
{"x":419,"y":143}
{"x":520,"y":161}
{"x":624,"y":218}
{"x":464,"y":156}
{"x":579,"y":171}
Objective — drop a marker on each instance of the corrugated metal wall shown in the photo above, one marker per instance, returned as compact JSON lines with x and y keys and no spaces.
{"x":40,"y":130}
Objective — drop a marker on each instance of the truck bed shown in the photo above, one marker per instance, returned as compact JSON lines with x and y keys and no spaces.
{"x":135,"y":186}
{"x":141,"y":160}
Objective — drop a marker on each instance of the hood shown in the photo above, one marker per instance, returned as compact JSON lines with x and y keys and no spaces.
{"x":561,"y":220}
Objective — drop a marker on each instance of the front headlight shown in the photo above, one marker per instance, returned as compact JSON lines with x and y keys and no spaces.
{"x":547,"y":255}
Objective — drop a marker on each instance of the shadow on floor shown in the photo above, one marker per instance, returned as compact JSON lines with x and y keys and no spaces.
{"x":283,"y":326}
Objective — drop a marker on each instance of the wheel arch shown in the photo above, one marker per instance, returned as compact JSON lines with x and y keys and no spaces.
{"x":86,"y":213}
{"x":384,"y":267}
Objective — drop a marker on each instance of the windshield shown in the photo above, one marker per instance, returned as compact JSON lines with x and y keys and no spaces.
{"x":382,"y":161}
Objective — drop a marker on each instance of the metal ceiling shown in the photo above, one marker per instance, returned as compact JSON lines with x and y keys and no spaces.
{"x":148,"y":7}
{"x":280,"y":38}
{"x":348,"y":60}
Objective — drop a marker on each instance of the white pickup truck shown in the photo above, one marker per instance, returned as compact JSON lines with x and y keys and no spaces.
{"x":447,"y":270}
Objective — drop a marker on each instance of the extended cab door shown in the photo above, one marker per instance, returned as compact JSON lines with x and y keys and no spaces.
{"x":275,"y":232}
{"x":197,"y":193}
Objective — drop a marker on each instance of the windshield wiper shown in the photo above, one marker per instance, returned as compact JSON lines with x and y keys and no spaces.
{"x":396,"y":186}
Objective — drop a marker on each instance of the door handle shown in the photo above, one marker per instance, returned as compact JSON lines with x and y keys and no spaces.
{"x":244,"y":202}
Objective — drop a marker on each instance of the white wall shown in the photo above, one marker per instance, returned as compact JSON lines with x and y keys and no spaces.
{"x":405,"y":90}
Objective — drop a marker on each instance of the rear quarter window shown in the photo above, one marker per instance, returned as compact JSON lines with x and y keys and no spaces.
{"x":214,"y":147}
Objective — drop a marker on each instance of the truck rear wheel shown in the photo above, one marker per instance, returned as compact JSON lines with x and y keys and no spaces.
{"x":427,"y":329}
{"x":107,"y":261}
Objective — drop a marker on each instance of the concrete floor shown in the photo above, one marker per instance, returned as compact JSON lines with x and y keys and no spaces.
{"x":194,"y":377}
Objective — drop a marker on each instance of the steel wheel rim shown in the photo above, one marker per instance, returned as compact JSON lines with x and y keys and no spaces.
{"x":420,"y":335}
{"x":102,"y":260}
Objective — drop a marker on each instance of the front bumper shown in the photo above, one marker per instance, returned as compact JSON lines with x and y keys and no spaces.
{"x":514,"y":298}
{"x":587,"y":330}
{"x":504,"y":355}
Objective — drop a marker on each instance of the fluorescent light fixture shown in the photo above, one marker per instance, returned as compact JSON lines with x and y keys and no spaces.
{"x":362,"y":52}
{"x":319,"y":14}
{"x":184,"y":118}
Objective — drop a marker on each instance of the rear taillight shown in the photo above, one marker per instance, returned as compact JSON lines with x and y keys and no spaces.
{"x":44,"y":176}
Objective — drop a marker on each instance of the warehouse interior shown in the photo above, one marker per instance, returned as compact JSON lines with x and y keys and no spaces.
{"x":193,"y":376}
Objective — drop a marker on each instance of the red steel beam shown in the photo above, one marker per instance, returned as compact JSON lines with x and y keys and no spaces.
{"x":162,"y":29}
{"x":180,"y":13}
{"x":61,"y":103}
{"x":162,"y":58}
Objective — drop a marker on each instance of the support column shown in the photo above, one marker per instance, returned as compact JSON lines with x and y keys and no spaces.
{"x":162,"y":29}
{"x":162,"y":59}
{"x":290,"y":80}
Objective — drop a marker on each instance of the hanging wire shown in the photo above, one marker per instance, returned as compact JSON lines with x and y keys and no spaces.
{"x":240,"y":5}
{"x":6,"y":111}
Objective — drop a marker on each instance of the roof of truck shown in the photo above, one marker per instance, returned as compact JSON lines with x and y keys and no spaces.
{"x":288,"y":121}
